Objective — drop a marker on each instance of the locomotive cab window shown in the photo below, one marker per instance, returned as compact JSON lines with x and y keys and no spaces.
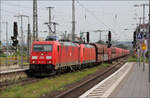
{"x":43,"y":48}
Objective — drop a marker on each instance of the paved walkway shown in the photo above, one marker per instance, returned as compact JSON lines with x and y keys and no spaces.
{"x":136,"y":84}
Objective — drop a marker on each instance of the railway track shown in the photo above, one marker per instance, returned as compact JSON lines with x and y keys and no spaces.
{"x":76,"y":91}
{"x":21,"y":78}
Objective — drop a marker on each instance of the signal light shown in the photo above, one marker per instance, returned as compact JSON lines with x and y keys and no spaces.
{"x":109,"y":36}
{"x":88,"y":37}
{"x":15,"y":29}
{"x":14,"y":38}
{"x":109,"y":39}
{"x":15,"y":42}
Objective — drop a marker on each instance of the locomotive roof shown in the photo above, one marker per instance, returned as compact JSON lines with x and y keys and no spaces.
{"x":44,"y":42}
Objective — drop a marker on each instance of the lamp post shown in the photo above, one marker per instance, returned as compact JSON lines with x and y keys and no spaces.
{"x":149,"y":42}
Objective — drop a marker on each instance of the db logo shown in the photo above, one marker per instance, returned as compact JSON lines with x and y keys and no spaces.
{"x":41,"y":57}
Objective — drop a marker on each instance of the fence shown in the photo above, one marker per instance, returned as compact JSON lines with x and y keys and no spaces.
{"x":12,"y":59}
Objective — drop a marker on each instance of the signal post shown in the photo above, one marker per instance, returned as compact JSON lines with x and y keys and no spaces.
{"x":14,"y":38}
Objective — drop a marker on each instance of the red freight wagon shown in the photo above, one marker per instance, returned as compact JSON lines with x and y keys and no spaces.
{"x":117,"y":52}
{"x":101,"y":52}
{"x":113,"y":53}
{"x":109,"y":53}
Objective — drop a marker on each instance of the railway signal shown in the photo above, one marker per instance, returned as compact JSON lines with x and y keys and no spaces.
{"x":88,"y":37}
{"x":14,"y":37}
{"x":109,"y":39}
{"x":109,"y":36}
{"x":134,"y":39}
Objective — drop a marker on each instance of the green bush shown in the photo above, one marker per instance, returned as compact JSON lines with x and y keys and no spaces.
{"x":146,"y":54}
{"x":2,"y":55}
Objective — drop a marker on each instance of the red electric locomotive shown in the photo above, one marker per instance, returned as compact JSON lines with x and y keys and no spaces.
{"x":47,"y":56}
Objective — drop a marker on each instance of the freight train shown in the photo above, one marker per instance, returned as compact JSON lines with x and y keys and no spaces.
{"x":54,"y":56}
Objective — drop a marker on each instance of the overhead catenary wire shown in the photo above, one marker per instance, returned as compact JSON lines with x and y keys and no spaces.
{"x":22,"y":6}
{"x":10,"y":12}
{"x":93,"y":14}
{"x":97,"y":18}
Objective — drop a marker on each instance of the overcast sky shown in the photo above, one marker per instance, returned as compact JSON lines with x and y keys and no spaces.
{"x":90,"y":15}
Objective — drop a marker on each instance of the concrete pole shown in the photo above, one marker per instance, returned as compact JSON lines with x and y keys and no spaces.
{"x":55,"y":28}
{"x":139,"y":52}
{"x":0,"y":35}
{"x":106,"y":37}
{"x":21,"y":42}
{"x":28,"y":42}
{"x":6,"y":43}
{"x":73,"y":20}
{"x":143,"y":34}
{"x":149,"y":43}
{"x":65,"y":35}
{"x":143,"y":14}
{"x":35,"y":21}
{"x":50,"y":19}
{"x":50,"y":16}
{"x":6,"y":23}
{"x":144,"y":28}
{"x":100,"y":35}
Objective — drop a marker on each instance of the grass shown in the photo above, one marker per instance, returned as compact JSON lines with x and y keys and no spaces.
{"x":135,"y":59}
{"x":46,"y":86}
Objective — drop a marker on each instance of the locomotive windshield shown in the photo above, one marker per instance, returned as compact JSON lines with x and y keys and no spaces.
{"x":42,"y":48}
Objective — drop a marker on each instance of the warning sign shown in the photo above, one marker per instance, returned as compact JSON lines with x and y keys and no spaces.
{"x":143,"y":46}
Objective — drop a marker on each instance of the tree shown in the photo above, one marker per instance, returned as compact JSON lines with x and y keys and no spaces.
{"x":1,"y":52}
{"x":100,"y":42}
{"x":122,"y":46}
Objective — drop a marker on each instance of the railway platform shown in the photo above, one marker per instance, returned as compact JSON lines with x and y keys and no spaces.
{"x":13,"y":68}
{"x":129,"y":81}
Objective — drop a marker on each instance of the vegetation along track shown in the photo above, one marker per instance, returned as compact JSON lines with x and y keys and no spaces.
{"x":14,"y":77}
{"x":18,"y":77}
{"x":79,"y":89}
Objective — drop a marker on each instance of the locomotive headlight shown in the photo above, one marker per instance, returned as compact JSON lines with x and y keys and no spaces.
{"x":48,"y":57}
{"x":48,"y":62}
{"x":34,"y":57}
{"x":33,"y":62}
